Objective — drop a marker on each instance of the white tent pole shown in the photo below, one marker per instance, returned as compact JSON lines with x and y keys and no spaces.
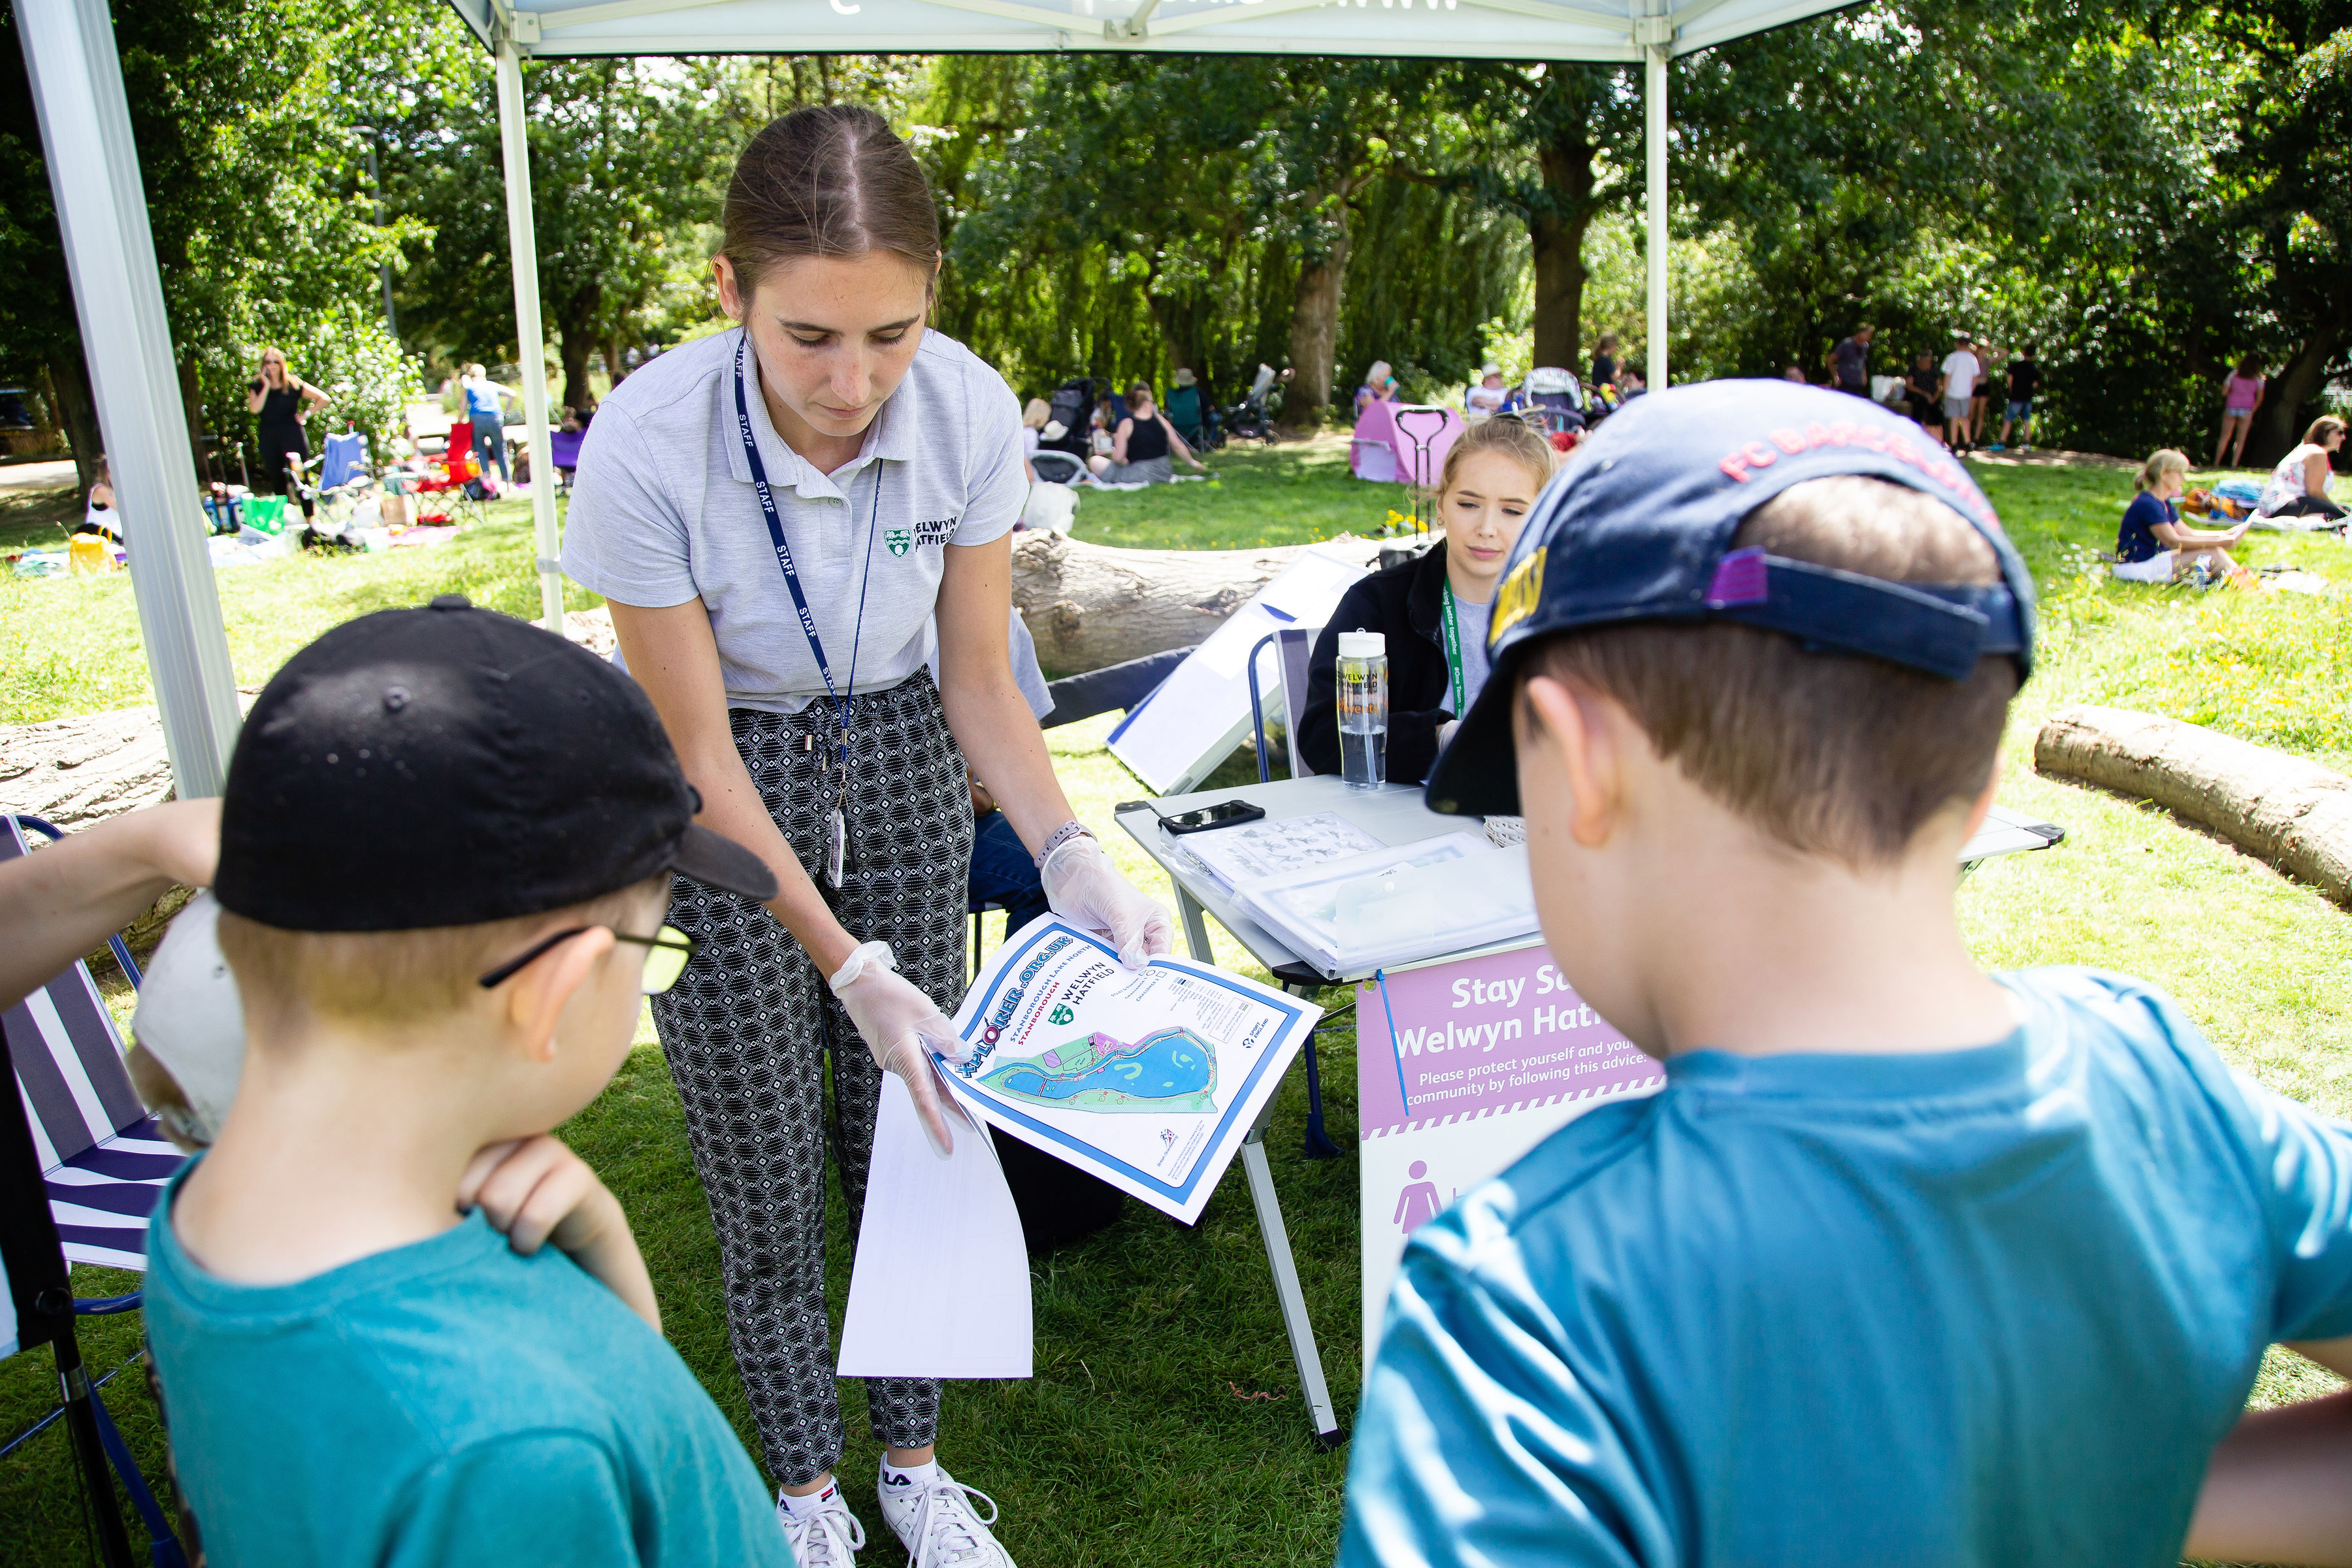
{"x":1654,"y":226}
{"x":531,"y":341}
{"x":77,"y":80}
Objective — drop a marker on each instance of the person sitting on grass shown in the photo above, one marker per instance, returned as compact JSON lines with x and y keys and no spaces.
{"x":1433,"y":610}
{"x":2153,"y":545}
{"x":368,"y":1351}
{"x":2298,"y":486}
{"x":1141,"y":445}
{"x":1907,"y":1263}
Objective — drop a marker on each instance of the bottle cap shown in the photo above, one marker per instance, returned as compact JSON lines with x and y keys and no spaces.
{"x":1363,"y":645}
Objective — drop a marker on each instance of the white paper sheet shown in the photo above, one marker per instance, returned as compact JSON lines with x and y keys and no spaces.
{"x":940,"y":1287}
{"x":1232,"y":856}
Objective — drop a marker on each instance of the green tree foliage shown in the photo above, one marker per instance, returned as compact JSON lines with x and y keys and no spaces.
{"x":264,"y":231}
{"x":626,"y":156}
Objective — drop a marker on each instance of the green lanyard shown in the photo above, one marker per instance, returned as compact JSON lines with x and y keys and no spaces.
{"x":1453,"y":652}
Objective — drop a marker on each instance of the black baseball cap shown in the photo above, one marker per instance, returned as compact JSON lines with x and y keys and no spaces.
{"x":1638,"y":527}
{"x":449,"y":765}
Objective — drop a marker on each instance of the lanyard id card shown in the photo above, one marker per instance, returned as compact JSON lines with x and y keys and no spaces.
{"x":834,"y":850}
{"x":1454,"y":653}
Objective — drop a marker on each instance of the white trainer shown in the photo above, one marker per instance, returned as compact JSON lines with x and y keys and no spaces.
{"x":937,"y":1525}
{"x":829,"y":1538}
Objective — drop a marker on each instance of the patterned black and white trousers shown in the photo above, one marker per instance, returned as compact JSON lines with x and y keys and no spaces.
{"x":748,"y":1025}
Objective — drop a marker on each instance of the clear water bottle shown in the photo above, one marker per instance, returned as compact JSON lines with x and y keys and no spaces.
{"x":1363,"y":678}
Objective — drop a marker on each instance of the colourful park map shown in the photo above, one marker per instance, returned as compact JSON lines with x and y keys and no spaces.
{"x":1170,"y":1069}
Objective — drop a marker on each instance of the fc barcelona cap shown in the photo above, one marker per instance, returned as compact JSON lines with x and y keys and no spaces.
{"x":1637,"y":527}
{"x":448,"y":765}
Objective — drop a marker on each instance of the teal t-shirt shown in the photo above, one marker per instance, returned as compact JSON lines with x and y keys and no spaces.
{"x":446,"y":1403}
{"x":1982,"y":1307}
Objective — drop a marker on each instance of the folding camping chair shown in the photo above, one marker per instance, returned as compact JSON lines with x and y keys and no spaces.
{"x":448,"y":478}
{"x":81,"y":1167}
{"x":564,"y":453}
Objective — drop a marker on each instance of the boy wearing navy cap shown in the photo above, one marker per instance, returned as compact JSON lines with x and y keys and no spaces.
{"x":1907,"y":1263}
{"x":446,"y":847}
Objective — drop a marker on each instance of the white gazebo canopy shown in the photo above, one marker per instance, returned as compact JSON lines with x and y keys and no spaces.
{"x":77,"y":80}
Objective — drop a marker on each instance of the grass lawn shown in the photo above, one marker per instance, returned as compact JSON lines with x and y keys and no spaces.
{"x":1144,"y":1438}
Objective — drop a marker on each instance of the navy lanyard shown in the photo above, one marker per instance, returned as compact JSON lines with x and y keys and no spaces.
{"x":842,"y":707}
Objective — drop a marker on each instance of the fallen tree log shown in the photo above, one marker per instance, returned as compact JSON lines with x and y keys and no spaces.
{"x":1088,"y":605}
{"x":2292,"y":812}
{"x":87,"y":768}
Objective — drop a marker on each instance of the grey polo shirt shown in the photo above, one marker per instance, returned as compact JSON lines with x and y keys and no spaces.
{"x":663,"y":512}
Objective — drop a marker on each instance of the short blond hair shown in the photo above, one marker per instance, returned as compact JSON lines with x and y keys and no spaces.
{"x":1037,"y":413}
{"x":2164,"y":460}
{"x":396,"y":977}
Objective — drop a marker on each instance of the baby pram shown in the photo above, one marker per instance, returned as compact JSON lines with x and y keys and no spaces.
{"x":1248,"y":419}
{"x":1073,"y":405}
{"x":1553,"y":403}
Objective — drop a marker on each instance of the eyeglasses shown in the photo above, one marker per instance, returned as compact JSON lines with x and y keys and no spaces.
{"x":666,"y":952}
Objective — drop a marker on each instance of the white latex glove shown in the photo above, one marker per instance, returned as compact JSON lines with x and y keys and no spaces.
{"x":1445,"y":734}
{"x":902,"y":1028}
{"x":1084,"y":888}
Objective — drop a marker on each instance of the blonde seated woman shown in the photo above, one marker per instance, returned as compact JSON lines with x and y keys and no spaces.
{"x":2153,"y":546}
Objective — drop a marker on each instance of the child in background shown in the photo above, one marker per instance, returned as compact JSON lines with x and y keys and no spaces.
{"x":1434,"y":608}
{"x":446,"y":851}
{"x":2242,"y":394}
{"x":2153,"y":545}
{"x":1907,"y":1263}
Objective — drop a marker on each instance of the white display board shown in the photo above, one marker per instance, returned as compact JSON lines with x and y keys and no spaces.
{"x":1178,"y":735}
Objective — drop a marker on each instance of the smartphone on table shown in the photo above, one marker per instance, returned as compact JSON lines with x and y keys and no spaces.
{"x":1225,"y":814}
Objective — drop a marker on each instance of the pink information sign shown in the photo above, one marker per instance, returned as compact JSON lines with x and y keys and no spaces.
{"x":1460,"y":1067}
{"x":1481,"y":1037}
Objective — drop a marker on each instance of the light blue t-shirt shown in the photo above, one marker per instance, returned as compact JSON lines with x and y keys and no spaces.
{"x":1471,"y":620}
{"x":1982,"y":1307}
{"x":482,"y":405}
{"x":446,"y":1403}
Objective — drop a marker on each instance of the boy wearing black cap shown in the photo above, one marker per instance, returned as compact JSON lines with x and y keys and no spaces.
{"x":446,"y":851}
{"x":1907,"y":1263}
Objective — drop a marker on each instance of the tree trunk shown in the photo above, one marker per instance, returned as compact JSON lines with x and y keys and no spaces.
{"x":2280,"y":425}
{"x":192,"y":408}
{"x":616,"y":366}
{"x":2288,"y":810}
{"x":573,"y":348}
{"x":1088,"y":605}
{"x":1556,"y":234}
{"x":1315,"y":320}
{"x":77,"y":410}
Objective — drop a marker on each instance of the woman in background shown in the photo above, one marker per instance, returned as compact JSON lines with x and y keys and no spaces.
{"x":1433,"y":609}
{"x":2151,"y":546}
{"x":282,"y":401}
{"x":2298,"y":486}
{"x":2242,"y":394}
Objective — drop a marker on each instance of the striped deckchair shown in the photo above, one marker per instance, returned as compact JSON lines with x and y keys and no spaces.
{"x":103,"y":1160}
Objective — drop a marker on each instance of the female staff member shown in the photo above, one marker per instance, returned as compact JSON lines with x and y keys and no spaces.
{"x":283,"y":400}
{"x":774,"y":513}
{"x":1433,"y":609}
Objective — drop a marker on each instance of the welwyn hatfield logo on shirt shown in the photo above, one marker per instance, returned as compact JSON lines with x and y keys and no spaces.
{"x":901,"y":540}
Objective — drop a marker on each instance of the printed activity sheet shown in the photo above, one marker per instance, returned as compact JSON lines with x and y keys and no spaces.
{"x":1149,"y":1078}
{"x":1231,"y":856}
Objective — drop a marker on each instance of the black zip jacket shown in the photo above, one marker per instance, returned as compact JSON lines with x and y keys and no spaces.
{"x":1403,"y":604}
